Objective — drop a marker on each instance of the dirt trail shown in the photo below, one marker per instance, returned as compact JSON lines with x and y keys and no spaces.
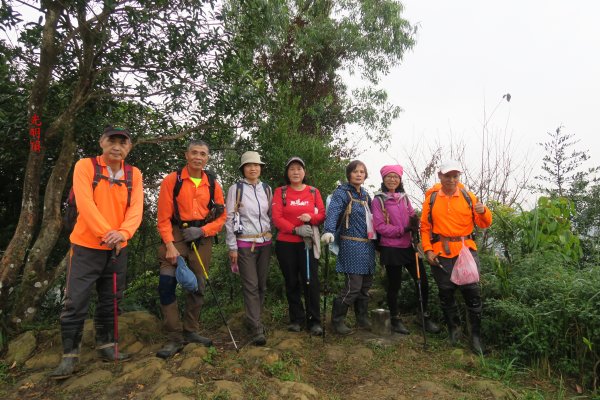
{"x":291,"y":366}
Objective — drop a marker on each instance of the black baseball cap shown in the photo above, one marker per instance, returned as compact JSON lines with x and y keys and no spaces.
{"x":112,"y":130}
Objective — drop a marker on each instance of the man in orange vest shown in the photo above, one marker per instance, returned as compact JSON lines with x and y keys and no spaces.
{"x":449,"y":216}
{"x":110,"y":208}
{"x":190,"y":209}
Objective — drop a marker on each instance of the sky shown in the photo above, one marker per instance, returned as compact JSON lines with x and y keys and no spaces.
{"x":469,"y":53}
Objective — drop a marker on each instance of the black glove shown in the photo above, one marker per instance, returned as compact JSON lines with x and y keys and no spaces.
{"x":192,"y":233}
{"x":413,"y":223}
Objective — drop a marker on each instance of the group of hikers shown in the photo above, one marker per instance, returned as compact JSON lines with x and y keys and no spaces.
{"x":192,"y":209}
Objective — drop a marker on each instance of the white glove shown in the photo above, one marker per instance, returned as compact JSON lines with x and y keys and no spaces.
{"x":327,"y":238}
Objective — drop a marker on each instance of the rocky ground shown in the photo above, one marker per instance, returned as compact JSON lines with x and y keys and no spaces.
{"x":291,"y":366}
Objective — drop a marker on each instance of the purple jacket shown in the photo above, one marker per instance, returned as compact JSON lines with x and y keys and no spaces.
{"x":392,"y":234}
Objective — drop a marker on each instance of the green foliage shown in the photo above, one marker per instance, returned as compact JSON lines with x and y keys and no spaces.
{"x":286,"y":369}
{"x":4,"y":374}
{"x":548,"y":228}
{"x":543,"y":312}
{"x":561,"y":164}
{"x":283,"y":74}
{"x":210,"y":356}
{"x":503,"y":370}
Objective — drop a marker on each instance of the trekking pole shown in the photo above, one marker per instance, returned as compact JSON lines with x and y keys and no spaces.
{"x":307,"y":296}
{"x":214,"y":295}
{"x":415,"y":245}
{"x":325,"y":289}
{"x":113,"y":258}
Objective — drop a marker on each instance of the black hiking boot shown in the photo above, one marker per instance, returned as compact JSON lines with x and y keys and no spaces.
{"x":169,"y":350}
{"x":259,"y":339}
{"x":398,"y":326}
{"x":71,"y":340}
{"x":316,"y":330}
{"x":194,"y":337}
{"x":476,"y":346}
{"x":361,"y":310}
{"x":106,"y":345}
{"x":338,"y":317}
{"x":453,"y":323}
{"x":108,"y":352}
{"x":430,"y":326}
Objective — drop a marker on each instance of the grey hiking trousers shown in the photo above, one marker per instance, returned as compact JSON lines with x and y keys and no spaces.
{"x":86,"y":268}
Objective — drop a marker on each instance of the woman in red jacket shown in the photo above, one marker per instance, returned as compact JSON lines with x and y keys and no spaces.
{"x":297,"y":212}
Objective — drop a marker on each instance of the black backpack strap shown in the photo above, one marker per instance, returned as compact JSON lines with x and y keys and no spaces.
{"x":239,"y":191}
{"x":97,"y":173}
{"x":176,"y":189}
{"x":268,"y":191}
{"x":431,"y":202}
{"x":211,"y":190}
{"x":283,"y":195}
{"x":470,"y":203}
{"x":128,"y":181}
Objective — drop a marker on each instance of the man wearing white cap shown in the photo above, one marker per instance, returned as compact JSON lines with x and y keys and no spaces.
{"x":449,"y":216}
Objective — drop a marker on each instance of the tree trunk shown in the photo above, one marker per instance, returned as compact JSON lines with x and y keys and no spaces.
{"x":37,"y":279}
{"x":12,"y":261}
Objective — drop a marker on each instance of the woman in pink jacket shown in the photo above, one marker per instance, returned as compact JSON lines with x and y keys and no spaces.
{"x":395,"y":220}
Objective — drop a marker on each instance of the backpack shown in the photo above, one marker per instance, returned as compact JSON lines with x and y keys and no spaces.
{"x":70,"y":209}
{"x":348,"y":210}
{"x":313,"y":191}
{"x":176,"y":218}
{"x":386,"y":215}
{"x":463,"y":191}
{"x":239,"y":191}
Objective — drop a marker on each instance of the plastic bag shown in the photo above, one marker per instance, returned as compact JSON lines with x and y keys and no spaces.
{"x":235,"y":268}
{"x":465,"y":269}
{"x":371,"y":234}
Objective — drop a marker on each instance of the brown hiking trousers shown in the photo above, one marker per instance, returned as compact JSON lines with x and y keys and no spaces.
{"x":193,"y":301}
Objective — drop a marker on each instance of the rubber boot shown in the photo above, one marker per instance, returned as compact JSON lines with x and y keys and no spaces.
{"x":472,"y":296}
{"x":194,"y":337}
{"x":71,"y":341}
{"x":338,"y":317}
{"x":361,"y":310}
{"x":169,"y":349}
{"x":259,"y":338}
{"x":476,"y":346}
{"x":453,"y":323}
{"x":172,"y":325}
{"x":105,"y":341}
{"x":398,"y":326}
{"x":430,"y":326}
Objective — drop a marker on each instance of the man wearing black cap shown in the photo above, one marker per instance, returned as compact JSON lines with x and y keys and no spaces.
{"x":110,"y":199}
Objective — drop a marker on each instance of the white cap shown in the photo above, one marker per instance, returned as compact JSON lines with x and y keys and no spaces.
{"x":450,"y":165}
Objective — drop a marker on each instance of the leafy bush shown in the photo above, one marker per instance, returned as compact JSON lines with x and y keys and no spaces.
{"x":548,"y":227}
{"x":545,"y":312}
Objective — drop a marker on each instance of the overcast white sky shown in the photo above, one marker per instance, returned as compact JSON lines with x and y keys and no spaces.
{"x":545,"y":53}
